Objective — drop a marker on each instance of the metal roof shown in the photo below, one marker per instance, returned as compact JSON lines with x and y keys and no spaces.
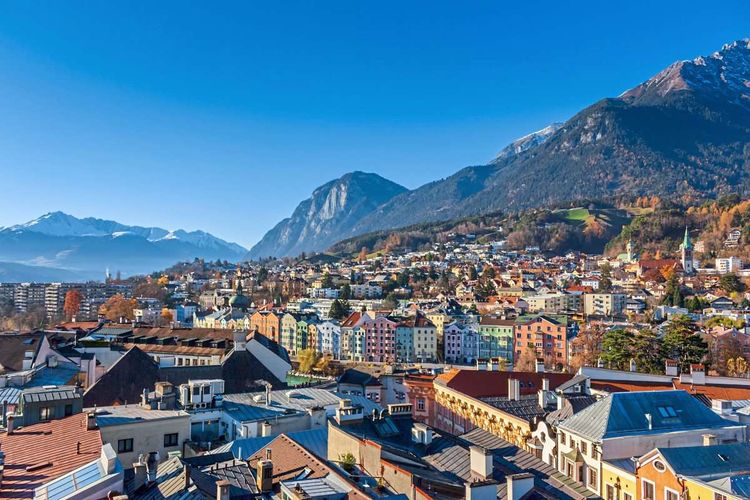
{"x":123,"y":415}
{"x":625,"y":414}
{"x":315,"y":441}
{"x":56,"y":394}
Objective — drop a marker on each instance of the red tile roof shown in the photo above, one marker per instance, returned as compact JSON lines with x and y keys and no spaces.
{"x":485,"y":384}
{"x":50,"y":449}
{"x":728,"y":392}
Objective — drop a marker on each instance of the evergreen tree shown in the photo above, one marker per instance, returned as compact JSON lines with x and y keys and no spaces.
{"x":616,"y":348}
{"x":681,"y":343}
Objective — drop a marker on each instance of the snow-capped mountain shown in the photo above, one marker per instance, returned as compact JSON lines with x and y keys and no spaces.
{"x":87,"y":246}
{"x":528,"y":141}
{"x":723,"y":74}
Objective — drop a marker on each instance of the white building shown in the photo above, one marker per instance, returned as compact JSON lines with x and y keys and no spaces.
{"x":329,"y":338}
{"x":728,"y":265}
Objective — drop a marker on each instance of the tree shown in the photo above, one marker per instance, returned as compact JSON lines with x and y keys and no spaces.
{"x":346,"y":292}
{"x":327,"y":281}
{"x":730,"y":283}
{"x":362,"y":256}
{"x":166,"y":315}
{"x":737,"y":367}
{"x":163,"y":280}
{"x":308,"y":359}
{"x":616,"y":348}
{"x":472,"y":272}
{"x":681,"y":343}
{"x":338,"y":311}
{"x":586,"y":348}
{"x":72,"y":304}
{"x":526,"y":362}
{"x":391,"y":301}
{"x":605,"y":283}
{"x":648,"y":351}
{"x":118,"y":308}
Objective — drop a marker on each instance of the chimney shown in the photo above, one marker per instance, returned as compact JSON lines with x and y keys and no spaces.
{"x":11,"y":425}
{"x":560,"y":400}
{"x":491,"y":365}
{"x":240,"y":341}
{"x":2,"y":467}
{"x":698,"y":374}
{"x":545,"y":384}
{"x":633,"y":367}
{"x":222,"y":489}
{"x":481,"y":365}
{"x":266,"y":429}
{"x":481,"y":462}
{"x":710,"y":440}
{"x":186,"y":472}
{"x":268,"y":394}
{"x":519,"y":485}
{"x":264,"y":473}
{"x":140,"y":470}
{"x":90,"y":421}
{"x":5,"y":412}
{"x":539,"y":365}
{"x":600,"y":363}
{"x":671,"y":367}
{"x":514,"y":389}
{"x":480,"y":490}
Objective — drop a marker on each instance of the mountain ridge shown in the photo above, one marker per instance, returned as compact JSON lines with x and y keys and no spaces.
{"x":60,"y":243}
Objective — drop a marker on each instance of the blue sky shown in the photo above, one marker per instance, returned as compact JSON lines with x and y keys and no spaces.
{"x":223,"y":116}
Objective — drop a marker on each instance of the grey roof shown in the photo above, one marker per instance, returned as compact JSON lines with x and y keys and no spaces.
{"x":736,"y":485}
{"x":624,"y":414}
{"x":512,"y":460}
{"x":299,"y":399}
{"x":315,"y":441}
{"x":317,"y":487}
{"x":571,"y":383}
{"x":169,"y":484}
{"x":131,"y":414}
{"x":571,"y":406}
{"x":527,"y":407}
{"x":708,"y":460}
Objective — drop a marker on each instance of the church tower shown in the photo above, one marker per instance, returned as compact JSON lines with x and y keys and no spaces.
{"x":629,"y":250}
{"x":687,"y":253}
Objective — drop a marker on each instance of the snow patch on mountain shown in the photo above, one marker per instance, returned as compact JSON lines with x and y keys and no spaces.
{"x":528,"y":141}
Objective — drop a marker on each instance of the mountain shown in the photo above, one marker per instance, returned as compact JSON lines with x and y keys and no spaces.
{"x":11,"y":272}
{"x":684,"y":132}
{"x":327,"y":216}
{"x":86,"y":247}
{"x":528,"y":141}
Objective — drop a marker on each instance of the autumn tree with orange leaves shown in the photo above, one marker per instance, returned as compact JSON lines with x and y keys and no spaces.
{"x":72,"y":304}
{"x":118,"y":308}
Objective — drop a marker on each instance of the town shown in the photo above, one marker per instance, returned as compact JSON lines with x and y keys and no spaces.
{"x":462,"y":370}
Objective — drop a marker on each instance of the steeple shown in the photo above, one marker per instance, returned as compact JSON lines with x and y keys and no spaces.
{"x":686,"y":243}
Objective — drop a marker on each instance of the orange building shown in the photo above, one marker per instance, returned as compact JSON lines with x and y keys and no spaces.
{"x":267,"y":323}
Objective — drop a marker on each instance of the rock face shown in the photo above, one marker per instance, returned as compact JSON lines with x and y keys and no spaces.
{"x":327,"y":216}
{"x":84,"y":248}
{"x":686,"y":131}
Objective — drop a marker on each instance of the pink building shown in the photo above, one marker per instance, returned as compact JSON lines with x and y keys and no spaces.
{"x":380,"y":339}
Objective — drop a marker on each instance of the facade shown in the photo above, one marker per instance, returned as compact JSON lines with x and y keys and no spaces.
{"x":353,"y":343}
{"x":329,"y":338}
{"x":134,"y":431}
{"x":547,"y":335}
{"x":495,"y":339}
{"x":686,"y":254}
{"x":460,"y":343}
{"x":604,"y":304}
{"x":266,"y":323}
{"x":728,"y":265}
{"x":380,"y":339}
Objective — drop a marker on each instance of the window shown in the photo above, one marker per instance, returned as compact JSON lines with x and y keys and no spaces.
{"x":170,"y":440}
{"x":719,"y":496}
{"x":611,"y":493}
{"x":125,"y":445}
{"x":667,"y":411}
{"x":68,"y":410}
{"x":593,"y":479}
{"x":647,"y":490}
{"x":627,"y":496}
{"x":671,"y":494}
{"x":45,"y":413}
{"x":584,"y":447}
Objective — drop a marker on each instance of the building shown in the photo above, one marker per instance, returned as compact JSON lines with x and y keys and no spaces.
{"x":686,"y":254}
{"x":380,"y":339}
{"x":495,"y":339}
{"x":134,"y":431}
{"x":548,"y":336}
{"x":604,"y":304}
{"x":461,"y":343}
{"x":727,"y":265}
{"x":630,"y":424}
